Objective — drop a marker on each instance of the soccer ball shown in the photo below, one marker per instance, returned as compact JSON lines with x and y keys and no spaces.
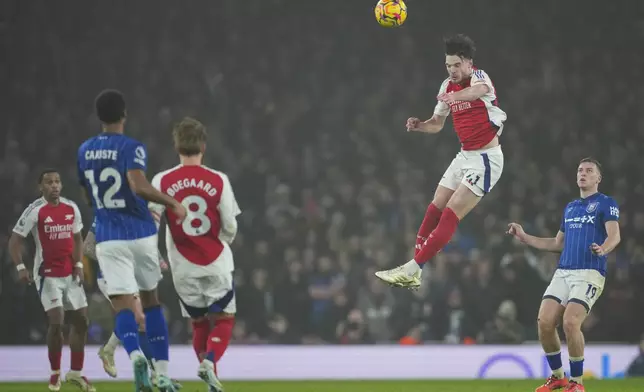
{"x":391,"y":13}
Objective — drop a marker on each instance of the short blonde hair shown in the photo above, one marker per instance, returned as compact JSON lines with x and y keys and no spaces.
{"x":189,"y":137}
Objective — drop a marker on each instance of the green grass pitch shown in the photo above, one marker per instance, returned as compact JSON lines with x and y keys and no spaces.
{"x":629,"y":385}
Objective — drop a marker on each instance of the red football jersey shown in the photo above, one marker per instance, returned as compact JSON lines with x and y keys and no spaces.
{"x":53,"y":228}
{"x":212,"y":210}
{"x":476,"y":122}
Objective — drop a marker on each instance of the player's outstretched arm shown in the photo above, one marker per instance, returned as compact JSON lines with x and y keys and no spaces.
{"x":433,"y":125}
{"x":142,"y":187}
{"x":467,"y":94}
{"x":554,"y":244}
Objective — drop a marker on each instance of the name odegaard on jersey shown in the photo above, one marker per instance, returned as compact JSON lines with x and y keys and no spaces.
{"x":187,"y":183}
{"x":101,"y":154}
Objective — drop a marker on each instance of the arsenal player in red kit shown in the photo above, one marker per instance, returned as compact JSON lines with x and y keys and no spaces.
{"x":469,"y":95}
{"x":56,"y":224}
{"x":199,"y":247}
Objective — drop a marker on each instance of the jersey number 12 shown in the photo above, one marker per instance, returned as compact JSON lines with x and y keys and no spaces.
{"x":108,"y":198}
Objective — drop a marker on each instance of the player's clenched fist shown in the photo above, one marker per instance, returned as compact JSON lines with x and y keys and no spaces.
{"x":180,"y":212}
{"x":24,"y":276}
{"x":516,"y":230}
{"x":597,"y":249}
{"x":413,"y":124}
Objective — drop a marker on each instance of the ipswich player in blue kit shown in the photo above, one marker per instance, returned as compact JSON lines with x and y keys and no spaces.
{"x":111,"y":170}
{"x":589,"y":232}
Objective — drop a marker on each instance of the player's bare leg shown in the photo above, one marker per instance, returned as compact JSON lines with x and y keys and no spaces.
{"x":127,"y":331}
{"x":459,"y":205}
{"x":573,"y":318}
{"x":217,"y":343}
{"x":550,"y":315}
{"x":157,"y":334}
{"x":77,"y":340}
{"x":56,"y":318}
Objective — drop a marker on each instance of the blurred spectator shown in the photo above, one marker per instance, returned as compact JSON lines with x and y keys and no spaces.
{"x":504,"y":328}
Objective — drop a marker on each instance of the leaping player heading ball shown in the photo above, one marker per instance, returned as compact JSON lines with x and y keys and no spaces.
{"x":469,"y":94}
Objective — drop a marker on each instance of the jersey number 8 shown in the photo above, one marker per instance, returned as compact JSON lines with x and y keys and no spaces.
{"x":108,"y":198}
{"x":197,"y":222}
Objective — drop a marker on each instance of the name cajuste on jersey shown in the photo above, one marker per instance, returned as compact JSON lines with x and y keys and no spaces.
{"x":59,"y":232}
{"x":101,"y":154}
{"x":187,"y":183}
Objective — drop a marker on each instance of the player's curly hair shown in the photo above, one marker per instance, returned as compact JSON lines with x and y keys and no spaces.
{"x":110,"y":106}
{"x":189,"y":137}
{"x":460,"y":45}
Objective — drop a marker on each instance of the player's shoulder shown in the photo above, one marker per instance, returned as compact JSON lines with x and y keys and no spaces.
{"x":605,"y":199}
{"x":162,"y":174}
{"x":36,"y":205}
{"x":480,"y":73}
{"x":88,"y":143}
{"x":69,"y":202}
{"x":216,"y":173}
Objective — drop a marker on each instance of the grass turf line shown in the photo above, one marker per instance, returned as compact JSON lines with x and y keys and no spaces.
{"x":627,"y":385}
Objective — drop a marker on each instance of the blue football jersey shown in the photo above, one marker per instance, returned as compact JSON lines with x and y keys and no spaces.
{"x":103,"y":163}
{"x":99,"y":273}
{"x":584,"y":223}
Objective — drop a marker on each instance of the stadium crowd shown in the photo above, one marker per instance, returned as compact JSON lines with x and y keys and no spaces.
{"x":305,"y":105}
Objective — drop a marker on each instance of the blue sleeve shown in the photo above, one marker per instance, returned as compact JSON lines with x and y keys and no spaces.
{"x":610,"y":210}
{"x":93,"y":228}
{"x":562,"y":227}
{"x":81,"y":174}
{"x":136,"y":157}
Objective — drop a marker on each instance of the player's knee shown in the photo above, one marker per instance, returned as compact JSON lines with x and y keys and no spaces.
{"x":55,"y":317}
{"x":571,"y":325}
{"x":56,"y":329}
{"x":149,"y":299}
{"x":546,"y":323}
{"x":463,"y":201}
{"x":81,"y":324}
{"x":441,"y":197}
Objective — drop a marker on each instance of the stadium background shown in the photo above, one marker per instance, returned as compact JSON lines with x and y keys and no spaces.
{"x":305,"y":102}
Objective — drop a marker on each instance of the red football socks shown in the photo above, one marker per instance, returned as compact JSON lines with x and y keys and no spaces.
{"x":54,"y":360}
{"x":439,"y":237}
{"x":220,"y":338}
{"x":78,"y":358}
{"x":200,"y":331}
{"x":430,"y":221}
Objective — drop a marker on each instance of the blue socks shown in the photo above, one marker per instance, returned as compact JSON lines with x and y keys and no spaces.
{"x":577,"y":368}
{"x":145,"y":346}
{"x":555,"y":363}
{"x":156,"y":328}
{"x":127,"y":330}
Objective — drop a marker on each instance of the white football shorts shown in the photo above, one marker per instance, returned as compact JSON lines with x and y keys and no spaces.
{"x":129,"y":266}
{"x":582,"y":286}
{"x":214,"y":293}
{"x":61,"y":291}
{"x":479,"y":170}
